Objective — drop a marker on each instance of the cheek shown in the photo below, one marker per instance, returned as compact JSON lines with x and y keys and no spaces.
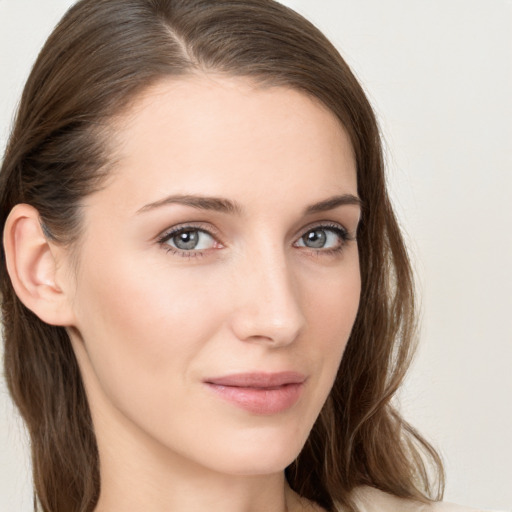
{"x":331,"y":305}
{"x":142,"y":327}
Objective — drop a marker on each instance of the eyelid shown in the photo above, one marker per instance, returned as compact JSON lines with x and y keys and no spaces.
{"x":199,"y":226}
{"x":169,"y":233}
{"x":327,"y":224}
{"x":341,"y":231}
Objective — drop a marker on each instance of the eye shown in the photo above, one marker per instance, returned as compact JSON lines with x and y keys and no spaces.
{"x":324,"y":238}
{"x":188,"y":239}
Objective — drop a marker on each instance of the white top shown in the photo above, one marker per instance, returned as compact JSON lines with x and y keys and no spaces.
{"x":372,"y":500}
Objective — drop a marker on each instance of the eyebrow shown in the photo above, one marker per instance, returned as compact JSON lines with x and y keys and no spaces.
{"x":223,"y":205}
{"x":200,"y":202}
{"x":333,"y":202}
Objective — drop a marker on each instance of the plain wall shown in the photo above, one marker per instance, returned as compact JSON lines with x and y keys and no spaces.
{"x":439,"y":74}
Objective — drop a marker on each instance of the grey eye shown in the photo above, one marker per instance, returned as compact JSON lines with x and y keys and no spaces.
{"x":191,"y":239}
{"x":315,"y":239}
{"x":323,"y":238}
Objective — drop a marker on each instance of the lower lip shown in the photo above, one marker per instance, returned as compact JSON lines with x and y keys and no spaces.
{"x":260,"y":400}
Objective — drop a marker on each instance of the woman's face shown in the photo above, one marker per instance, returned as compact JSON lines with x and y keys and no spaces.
{"x":218,"y":277}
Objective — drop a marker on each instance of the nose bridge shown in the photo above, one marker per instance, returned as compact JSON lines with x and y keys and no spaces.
{"x":268,"y":297}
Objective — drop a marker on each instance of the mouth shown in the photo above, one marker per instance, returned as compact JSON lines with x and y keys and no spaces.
{"x":258,"y":392}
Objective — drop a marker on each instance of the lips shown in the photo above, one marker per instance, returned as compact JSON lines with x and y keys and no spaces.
{"x":258,"y":392}
{"x":258,"y":379}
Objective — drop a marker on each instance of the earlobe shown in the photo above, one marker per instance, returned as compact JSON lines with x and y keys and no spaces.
{"x":33,"y":267}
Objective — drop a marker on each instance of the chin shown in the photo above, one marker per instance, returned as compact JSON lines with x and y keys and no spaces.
{"x":256,"y":465}
{"x":255,"y":453}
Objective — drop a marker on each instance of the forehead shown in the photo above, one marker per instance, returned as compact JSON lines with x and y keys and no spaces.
{"x":220,"y":135}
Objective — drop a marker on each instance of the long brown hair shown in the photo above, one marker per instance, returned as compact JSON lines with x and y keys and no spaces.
{"x":100,"y":57}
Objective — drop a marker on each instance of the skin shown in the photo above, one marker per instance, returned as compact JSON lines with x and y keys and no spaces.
{"x":150,"y":323}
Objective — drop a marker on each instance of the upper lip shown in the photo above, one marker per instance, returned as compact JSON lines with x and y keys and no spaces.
{"x":258,"y":379}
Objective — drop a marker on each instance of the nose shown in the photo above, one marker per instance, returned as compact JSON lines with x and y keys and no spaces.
{"x":268,"y":305}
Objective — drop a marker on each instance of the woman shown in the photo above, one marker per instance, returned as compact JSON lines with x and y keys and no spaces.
{"x":207,"y":302}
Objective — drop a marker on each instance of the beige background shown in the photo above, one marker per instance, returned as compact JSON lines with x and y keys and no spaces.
{"x":439,"y":74}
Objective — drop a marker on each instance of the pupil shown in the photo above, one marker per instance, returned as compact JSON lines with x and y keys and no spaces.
{"x":315,"y":239}
{"x":187,"y":240}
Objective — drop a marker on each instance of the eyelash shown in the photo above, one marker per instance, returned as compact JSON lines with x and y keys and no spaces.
{"x":168,"y":235}
{"x":340,"y":231}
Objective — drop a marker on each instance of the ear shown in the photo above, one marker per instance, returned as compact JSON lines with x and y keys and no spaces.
{"x":32,"y":263}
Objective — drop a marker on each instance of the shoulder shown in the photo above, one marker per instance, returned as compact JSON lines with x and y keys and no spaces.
{"x":372,"y":500}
